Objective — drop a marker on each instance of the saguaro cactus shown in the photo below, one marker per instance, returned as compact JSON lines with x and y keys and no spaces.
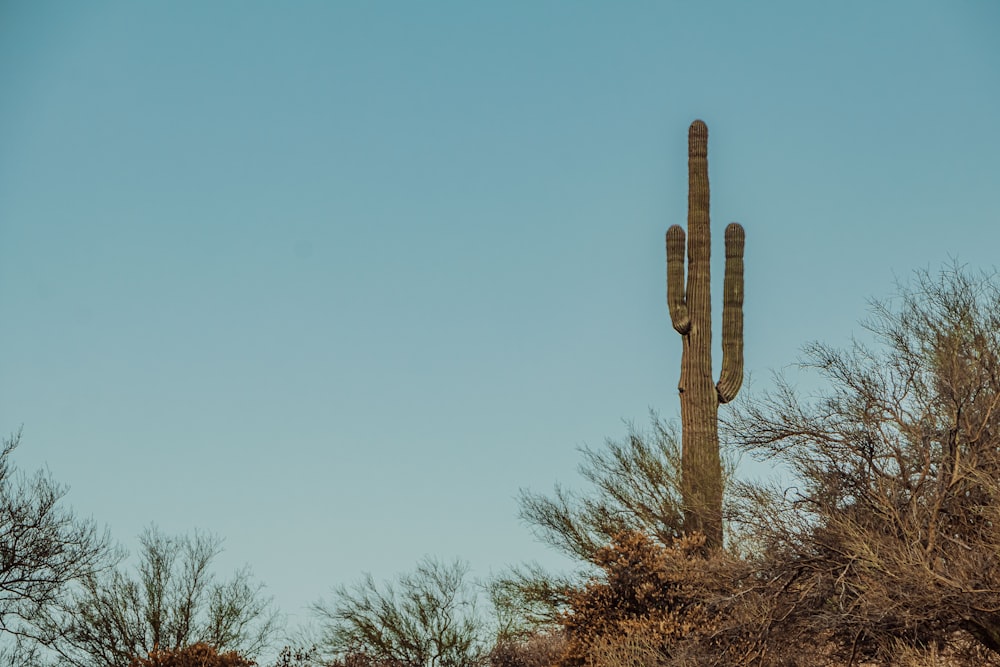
{"x":691,"y":315}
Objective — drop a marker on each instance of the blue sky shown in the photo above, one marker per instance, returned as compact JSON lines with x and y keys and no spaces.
{"x":334,"y":280}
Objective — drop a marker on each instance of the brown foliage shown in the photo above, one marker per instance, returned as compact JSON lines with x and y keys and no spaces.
{"x":654,"y":604}
{"x":879,"y":549}
{"x":542,"y":649}
{"x":888,"y":541}
{"x":310,"y":657}
{"x":195,"y":655}
{"x":635,"y":486}
{"x":170,"y":600}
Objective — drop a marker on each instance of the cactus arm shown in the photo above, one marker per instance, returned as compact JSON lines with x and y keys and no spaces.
{"x":675,"y":280}
{"x":732,"y":316}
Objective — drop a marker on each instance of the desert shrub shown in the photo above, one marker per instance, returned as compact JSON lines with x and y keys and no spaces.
{"x":45,"y":550}
{"x":297,"y":656}
{"x":171,"y":599}
{"x":657,"y":604}
{"x":881,"y":548}
{"x":886,"y":540}
{"x":426,"y":617}
{"x":195,"y":655}
{"x":634,"y":487}
{"x":539,"y":649}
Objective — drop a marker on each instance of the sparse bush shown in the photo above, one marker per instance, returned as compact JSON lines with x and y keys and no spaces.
{"x":539,"y":649}
{"x":196,"y":655}
{"x":297,"y":656}
{"x":888,"y":539}
{"x":635,"y":488}
{"x":881,"y":549}
{"x":653,"y":604}
{"x":172,"y":601}
{"x":310,"y":657}
{"x":426,"y":618}
{"x":45,"y":551}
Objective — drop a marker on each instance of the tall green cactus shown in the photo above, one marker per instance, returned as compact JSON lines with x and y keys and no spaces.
{"x":691,"y":315}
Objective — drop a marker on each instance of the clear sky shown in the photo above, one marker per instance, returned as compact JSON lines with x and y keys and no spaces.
{"x":335,"y":279}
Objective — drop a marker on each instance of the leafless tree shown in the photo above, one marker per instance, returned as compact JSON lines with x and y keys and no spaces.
{"x":426,"y":618}
{"x":889,"y":533}
{"x":634,"y":486}
{"x":44,"y":549}
{"x":171,"y":601}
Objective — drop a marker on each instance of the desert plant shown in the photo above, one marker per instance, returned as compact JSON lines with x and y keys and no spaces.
{"x":888,"y":533}
{"x":655,"y":604}
{"x":634,"y":487}
{"x":690,"y":307}
{"x":538,"y":649}
{"x":635,"y":483}
{"x":172,"y":601}
{"x":426,"y":618}
{"x":45,"y":550}
{"x":195,"y":655}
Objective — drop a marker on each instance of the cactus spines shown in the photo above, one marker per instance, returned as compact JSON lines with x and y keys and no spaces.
{"x":690,"y":307}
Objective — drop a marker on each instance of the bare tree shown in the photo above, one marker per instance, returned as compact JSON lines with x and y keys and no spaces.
{"x":426,"y":618}
{"x":889,"y":536}
{"x":44,"y":549}
{"x":172,"y":601}
{"x":636,"y":486}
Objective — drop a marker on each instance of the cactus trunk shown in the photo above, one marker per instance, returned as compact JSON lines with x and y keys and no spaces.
{"x":690,"y":307}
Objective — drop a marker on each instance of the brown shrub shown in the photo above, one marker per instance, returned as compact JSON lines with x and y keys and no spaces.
{"x":660,"y":604}
{"x":195,"y":655}
{"x":888,"y":539}
{"x":542,"y":649}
